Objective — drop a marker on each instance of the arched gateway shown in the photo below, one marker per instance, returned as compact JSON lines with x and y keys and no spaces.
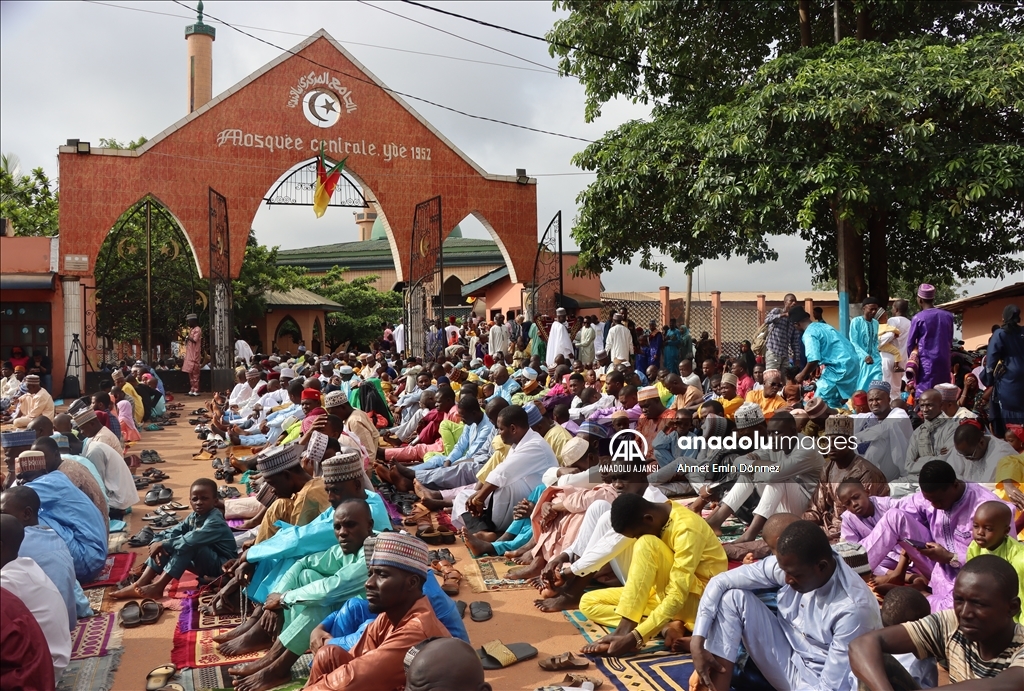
{"x":235,"y":147}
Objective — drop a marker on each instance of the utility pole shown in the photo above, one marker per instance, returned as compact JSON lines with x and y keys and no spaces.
{"x":689,"y":295}
{"x":842,"y":241}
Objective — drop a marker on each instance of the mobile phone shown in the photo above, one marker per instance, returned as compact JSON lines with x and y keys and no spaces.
{"x":916,"y":544}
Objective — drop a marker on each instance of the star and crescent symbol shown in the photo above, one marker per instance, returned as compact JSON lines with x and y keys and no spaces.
{"x":324,"y":100}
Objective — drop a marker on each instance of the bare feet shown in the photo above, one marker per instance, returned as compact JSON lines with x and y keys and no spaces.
{"x":403,"y":478}
{"x":478,"y":547}
{"x":528,"y":571}
{"x":251,"y":641}
{"x":436,"y":504}
{"x":600,"y":646}
{"x":153,"y":591}
{"x":244,"y":669}
{"x":220,"y":605}
{"x":240,"y":629}
{"x":424,"y":493}
{"x":127,"y":593}
{"x":677,"y":638}
{"x":383,"y":472}
{"x":264,"y":680}
{"x":558,"y":603}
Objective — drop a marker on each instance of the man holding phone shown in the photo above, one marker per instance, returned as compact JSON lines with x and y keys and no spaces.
{"x":934,"y":525}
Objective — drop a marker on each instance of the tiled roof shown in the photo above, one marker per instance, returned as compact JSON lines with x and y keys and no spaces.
{"x":376,"y":254}
{"x":299,"y":297}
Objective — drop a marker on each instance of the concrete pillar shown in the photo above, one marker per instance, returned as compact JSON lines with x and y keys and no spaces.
{"x":809,"y":306}
{"x":72,"y":288}
{"x":200,"y":38}
{"x":365,"y":220}
{"x":760,"y":309}
{"x":716,"y":317}
{"x":222,"y":345}
{"x":666,"y":307}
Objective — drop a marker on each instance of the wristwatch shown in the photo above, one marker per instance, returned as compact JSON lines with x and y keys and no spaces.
{"x":955,"y":562}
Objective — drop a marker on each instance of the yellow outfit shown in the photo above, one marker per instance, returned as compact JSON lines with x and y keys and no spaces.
{"x":663,"y":393}
{"x":301,"y":508}
{"x":1010,"y":468}
{"x":138,"y":410}
{"x":730,"y":406}
{"x":501,"y":450}
{"x":890,"y":347}
{"x":1011,"y":551}
{"x":667,"y":576}
{"x":769,"y":406}
{"x":557,"y":437}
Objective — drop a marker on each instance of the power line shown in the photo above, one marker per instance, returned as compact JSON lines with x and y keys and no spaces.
{"x":461,"y":38}
{"x":364,"y":80}
{"x":350,"y":43}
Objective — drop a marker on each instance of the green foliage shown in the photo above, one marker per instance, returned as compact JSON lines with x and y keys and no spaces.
{"x":260,"y":273}
{"x":29,"y":201}
{"x":115,"y":144}
{"x":902,"y":288}
{"x":366,"y":309}
{"x":912,"y":135}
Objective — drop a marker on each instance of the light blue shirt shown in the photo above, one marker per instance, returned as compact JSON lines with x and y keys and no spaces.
{"x":505,"y":390}
{"x":46,"y":549}
{"x":819,"y":625}
{"x":475,"y":441}
{"x":72,"y":515}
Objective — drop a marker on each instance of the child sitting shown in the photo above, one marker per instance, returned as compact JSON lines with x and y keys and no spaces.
{"x":202,"y":543}
{"x":992,"y":536}
{"x":900,"y":606}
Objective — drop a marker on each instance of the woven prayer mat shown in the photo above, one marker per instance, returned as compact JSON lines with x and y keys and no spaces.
{"x":488,"y":573}
{"x":95,"y":636}
{"x":91,"y":673}
{"x":184,"y":586}
{"x":197,"y":649}
{"x":114,"y":570}
{"x":193,"y":619}
{"x":205,"y":678}
{"x":95,"y":597}
{"x":117,"y":543}
{"x":653,"y":669}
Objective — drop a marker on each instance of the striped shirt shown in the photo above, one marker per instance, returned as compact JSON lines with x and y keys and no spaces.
{"x":939,"y":635}
{"x":783,"y":337}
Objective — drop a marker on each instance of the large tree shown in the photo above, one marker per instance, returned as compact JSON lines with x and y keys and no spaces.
{"x":909,"y":132}
{"x":365,"y":309}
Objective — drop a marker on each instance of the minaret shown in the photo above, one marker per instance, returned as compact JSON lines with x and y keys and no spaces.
{"x":200,"y":39}
{"x":365,"y":219}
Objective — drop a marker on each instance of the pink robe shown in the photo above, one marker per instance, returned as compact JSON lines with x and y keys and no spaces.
{"x":193,"y":351}
{"x":129,"y":432}
{"x":560,"y":533}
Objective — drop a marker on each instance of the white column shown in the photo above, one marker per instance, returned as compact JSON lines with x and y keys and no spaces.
{"x":73,"y":325}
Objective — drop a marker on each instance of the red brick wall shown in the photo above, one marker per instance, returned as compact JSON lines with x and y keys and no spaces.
{"x":180,"y":166}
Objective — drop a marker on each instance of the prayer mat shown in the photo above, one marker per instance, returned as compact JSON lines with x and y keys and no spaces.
{"x":95,"y":597}
{"x":205,"y":678}
{"x":300,"y":670}
{"x":184,"y":586}
{"x":197,"y":649}
{"x":488,"y":573}
{"x":114,"y":571}
{"x":193,"y":619}
{"x":653,"y":669}
{"x":91,"y":674}
{"x":95,"y":636}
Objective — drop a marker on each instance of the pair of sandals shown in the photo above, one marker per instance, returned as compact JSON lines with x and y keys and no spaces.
{"x":452,"y":578}
{"x":136,"y":613}
{"x":228,"y":493}
{"x":168,"y":520}
{"x":155,"y":475}
{"x":142,"y":538}
{"x":439,"y":554}
{"x":437,"y":536}
{"x":158,"y":494}
{"x":150,"y":457}
{"x":478,"y":611}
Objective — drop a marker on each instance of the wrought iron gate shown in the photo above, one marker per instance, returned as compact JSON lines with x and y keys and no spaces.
{"x":424,"y":305}
{"x":298,"y":188}
{"x":221,"y":342}
{"x":547,"y":284}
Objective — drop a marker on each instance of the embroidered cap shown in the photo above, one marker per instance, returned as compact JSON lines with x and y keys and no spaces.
{"x":748,"y":415}
{"x":647,"y":393}
{"x":335,"y":399}
{"x":278,"y":459}
{"x":949,"y":392}
{"x":12,"y":440}
{"x":347,"y":465}
{"x":401,"y":551}
{"x":573,"y":450}
{"x":29,"y":462}
{"x":880,"y":385}
{"x":729,"y":378}
{"x":594,"y":430}
{"x":816,"y":407}
{"x":316,"y":448}
{"x":533,"y":414}
{"x":855,"y":556}
{"x":839,"y":425}
{"x":32,"y":379}
{"x":926,"y":291}
{"x":345,"y":369}
{"x":84,"y":417}
{"x":191,"y":316}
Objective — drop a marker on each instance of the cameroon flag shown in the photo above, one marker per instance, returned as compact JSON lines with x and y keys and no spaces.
{"x":326,"y":181}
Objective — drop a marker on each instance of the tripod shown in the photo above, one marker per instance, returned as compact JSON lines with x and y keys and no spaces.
{"x":72,"y":386}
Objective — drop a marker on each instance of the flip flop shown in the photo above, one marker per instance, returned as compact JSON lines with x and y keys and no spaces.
{"x":497,"y":655}
{"x":461,"y":606}
{"x":557,"y":663}
{"x":480,"y":611}
{"x":159,"y":677}
{"x":179,"y":687}
{"x":142,"y":538}
{"x":573,"y":680}
{"x":151,"y":611}
{"x":173,"y":506}
{"x":131,"y":614}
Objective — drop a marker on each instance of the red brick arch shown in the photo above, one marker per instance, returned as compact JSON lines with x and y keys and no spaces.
{"x":223,"y":146}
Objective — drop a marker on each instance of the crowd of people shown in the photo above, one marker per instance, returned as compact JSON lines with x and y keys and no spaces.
{"x":811,"y":511}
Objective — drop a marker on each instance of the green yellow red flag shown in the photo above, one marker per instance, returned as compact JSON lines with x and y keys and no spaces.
{"x":326,"y":181}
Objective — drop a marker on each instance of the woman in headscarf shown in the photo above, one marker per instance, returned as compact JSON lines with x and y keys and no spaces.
{"x":1005,"y":370}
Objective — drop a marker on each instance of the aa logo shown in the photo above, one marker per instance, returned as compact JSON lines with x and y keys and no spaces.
{"x":628,"y":446}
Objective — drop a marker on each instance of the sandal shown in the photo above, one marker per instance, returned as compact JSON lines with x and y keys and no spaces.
{"x":131,"y":614}
{"x":481,"y":611}
{"x":452,"y":579}
{"x":151,"y":611}
{"x":142,"y":538}
{"x":173,"y":506}
{"x":461,"y":607}
{"x":446,"y":554}
{"x":497,"y":655}
{"x":160,"y":676}
{"x":557,"y":663}
{"x":573,"y":680}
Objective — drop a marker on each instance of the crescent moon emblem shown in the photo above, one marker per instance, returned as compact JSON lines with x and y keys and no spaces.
{"x":177,"y":249}
{"x":201,"y":298}
{"x":120,"y":247}
{"x":312,"y":104}
{"x":423,"y":246}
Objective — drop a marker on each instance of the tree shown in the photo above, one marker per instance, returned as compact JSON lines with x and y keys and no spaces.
{"x":260,"y":273}
{"x":27,"y":200}
{"x":910,"y":134}
{"x":366,"y":309}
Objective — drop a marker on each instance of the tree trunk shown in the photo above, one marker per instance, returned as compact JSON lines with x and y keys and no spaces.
{"x":863,"y":25}
{"x":805,"y":25}
{"x":850,"y":255}
{"x":878,"y":255}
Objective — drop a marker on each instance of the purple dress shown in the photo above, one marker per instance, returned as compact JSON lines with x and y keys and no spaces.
{"x":931,"y":332}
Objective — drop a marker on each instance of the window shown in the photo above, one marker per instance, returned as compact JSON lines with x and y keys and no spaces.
{"x":25,"y":324}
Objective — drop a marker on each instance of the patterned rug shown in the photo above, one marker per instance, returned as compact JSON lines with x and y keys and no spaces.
{"x":653,"y":669}
{"x":197,"y":649}
{"x":91,"y":674}
{"x":95,"y":597}
{"x":182,"y":587}
{"x":192,"y":618}
{"x":216,"y":678}
{"x":488,"y":573}
{"x":115,"y":570}
{"x":95,"y":636}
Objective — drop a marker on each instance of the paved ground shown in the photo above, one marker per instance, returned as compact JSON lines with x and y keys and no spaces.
{"x":515,"y":620}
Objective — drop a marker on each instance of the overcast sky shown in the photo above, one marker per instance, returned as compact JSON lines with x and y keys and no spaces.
{"x":88,"y":70}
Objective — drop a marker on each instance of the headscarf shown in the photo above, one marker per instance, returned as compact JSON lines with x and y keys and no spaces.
{"x":1011,"y":318}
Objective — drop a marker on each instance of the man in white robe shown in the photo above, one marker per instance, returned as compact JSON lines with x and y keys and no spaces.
{"x":619,"y":343}
{"x":399,"y":334}
{"x":883,"y":434}
{"x":498,"y":337}
{"x":559,"y":342}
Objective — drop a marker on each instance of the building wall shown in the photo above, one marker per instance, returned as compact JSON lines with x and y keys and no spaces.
{"x":56,"y":300}
{"x":24,"y":255}
{"x":978,"y":321}
{"x":387,"y":278}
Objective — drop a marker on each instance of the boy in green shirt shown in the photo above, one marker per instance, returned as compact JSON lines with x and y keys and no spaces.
{"x":992,"y":536}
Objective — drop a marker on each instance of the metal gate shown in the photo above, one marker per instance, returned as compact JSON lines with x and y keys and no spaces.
{"x":546,"y":286}
{"x":146,"y":282}
{"x":221,"y":341}
{"x":424,"y":305}
{"x":298,"y":188}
